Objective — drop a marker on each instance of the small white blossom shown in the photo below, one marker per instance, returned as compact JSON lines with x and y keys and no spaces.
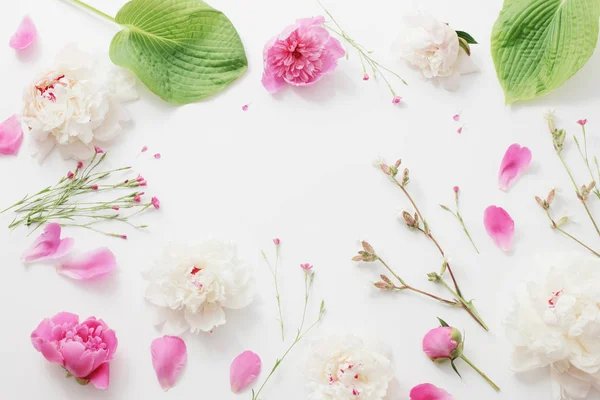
{"x":555,"y":323}
{"x":343,"y":368}
{"x":194,"y":283}
{"x":76,"y":105}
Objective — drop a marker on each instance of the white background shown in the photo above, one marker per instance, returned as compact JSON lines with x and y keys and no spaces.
{"x":297,"y":165}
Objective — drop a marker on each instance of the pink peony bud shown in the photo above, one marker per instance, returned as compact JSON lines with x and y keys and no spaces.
{"x":396,"y":99}
{"x":276,"y":241}
{"x":156,"y":202}
{"x":70,"y":175}
{"x":443,"y":343}
{"x":366,"y":77}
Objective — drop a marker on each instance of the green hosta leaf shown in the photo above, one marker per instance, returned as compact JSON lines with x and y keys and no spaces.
{"x":182,"y":50}
{"x":537,"y":45}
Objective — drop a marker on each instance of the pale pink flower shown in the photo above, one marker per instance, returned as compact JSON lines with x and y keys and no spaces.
{"x":427,"y":391}
{"x":11,"y":136}
{"x":515,"y":161}
{"x":156,"y":202}
{"x":49,"y":245}
{"x":500,"y":226}
{"x":24,"y":36}
{"x":582,"y":122}
{"x":307,"y":267}
{"x":169,"y":356}
{"x":442,"y":342}
{"x":84,"y":349}
{"x":91,"y":265}
{"x":244,"y":370}
{"x":300,"y":55}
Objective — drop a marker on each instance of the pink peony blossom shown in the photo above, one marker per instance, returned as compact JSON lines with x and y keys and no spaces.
{"x":443,"y":342}
{"x":83,"y":349}
{"x":427,"y":391}
{"x":24,"y":36}
{"x":300,"y":55}
{"x":245,"y":107}
{"x":11,"y":136}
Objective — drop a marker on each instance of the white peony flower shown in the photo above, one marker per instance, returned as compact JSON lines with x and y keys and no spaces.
{"x":76,"y":105}
{"x":343,"y":368}
{"x":194,"y":283}
{"x":556,"y":323}
{"x":432,"y":46}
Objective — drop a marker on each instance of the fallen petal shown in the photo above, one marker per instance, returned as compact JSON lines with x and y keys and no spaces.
{"x":500,"y":226}
{"x":24,"y":36}
{"x":91,"y":265}
{"x":11,"y":135}
{"x":169,"y":356}
{"x":427,"y":391}
{"x":244,"y":370}
{"x":49,"y":245}
{"x":514,"y":162}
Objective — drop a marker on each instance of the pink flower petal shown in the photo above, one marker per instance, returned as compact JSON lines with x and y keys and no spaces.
{"x":427,"y":391}
{"x":244,"y":370}
{"x":24,"y":36}
{"x":91,"y":265}
{"x":500,"y":226}
{"x":515,"y":161}
{"x":49,"y":245}
{"x":100,"y":378}
{"x":169,"y":356}
{"x":11,"y":136}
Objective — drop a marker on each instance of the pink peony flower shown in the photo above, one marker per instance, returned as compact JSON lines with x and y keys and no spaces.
{"x":443,"y":343}
{"x":144,"y":149}
{"x":157,"y":156}
{"x":245,"y":107}
{"x":427,"y":391}
{"x":300,"y":55}
{"x":83,"y":349}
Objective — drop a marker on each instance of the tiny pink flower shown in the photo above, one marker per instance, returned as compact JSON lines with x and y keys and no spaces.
{"x":396,"y":99}
{"x":79,"y":164}
{"x":366,"y":77}
{"x":456,"y":117}
{"x":245,"y":107}
{"x":459,"y":130}
{"x":98,"y":150}
{"x":24,"y":36}
{"x":156,"y":202}
{"x":443,"y":342}
{"x":276,"y":241}
{"x":307,"y":267}
{"x":301,"y":55}
{"x":116,"y":208}
{"x":124,"y":237}
{"x":137,"y":198}
{"x":157,"y":156}
{"x":582,"y":122}
{"x":94,"y":187}
{"x":70,"y":175}
{"x":456,"y":189}
{"x":427,"y":391}
{"x":144,"y":149}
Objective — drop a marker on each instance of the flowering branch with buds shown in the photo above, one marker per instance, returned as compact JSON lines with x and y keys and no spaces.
{"x":558,"y":139}
{"x":417,"y":222}
{"x":557,"y":225}
{"x":61,"y":203}
{"x":459,"y":217}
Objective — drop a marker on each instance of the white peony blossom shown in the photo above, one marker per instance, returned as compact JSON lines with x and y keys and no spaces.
{"x":76,"y":105}
{"x":556,"y":323}
{"x":432,"y":46}
{"x":194,"y":283}
{"x":343,"y":368}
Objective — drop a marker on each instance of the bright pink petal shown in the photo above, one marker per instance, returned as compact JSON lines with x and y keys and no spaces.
{"x":11,"y":136}
{"x":78,"y":361}
{"x":427,"y":391}
{"x":515,"y":161}
{"x":500,"y":226}
{"x":169,"y":356}
{"x":91,"y":265}
{"x":272,"y":83}
{"x":244,"y":370}
{"x":49,"y":245}
{"x":24,"y":36}
{"x":64,"y":317}
{"x":100,"y":378}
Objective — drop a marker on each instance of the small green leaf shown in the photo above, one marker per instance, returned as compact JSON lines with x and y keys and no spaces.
{"x":182,"y":50}
{"x":468,"y":38}
{"x":537,"y":45}
{"x":455,"y":369}
{"x":442,"y":322}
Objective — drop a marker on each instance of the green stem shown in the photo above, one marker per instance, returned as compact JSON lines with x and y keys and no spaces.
{"x":466,"y":231}
{"x":484,"y":376}
{"x":567,"y":234}
{"x":94,"y":10}
{"x":277,"y":295}
{"x":468,"y":307}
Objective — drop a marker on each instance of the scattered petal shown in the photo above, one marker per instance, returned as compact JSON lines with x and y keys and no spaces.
{"x":500,"y":226}
{"x":49,"y":245}
{"x":157,"y":156}
{"x":24,"y":36}
{"x":91,"y":265}
{"x":245,"y":107}
{"x":514,"y":162}
{"x":244,"y":370}
{"x":169,"y":356}
{"x":427,"y":391}
{"x":11,"y":136}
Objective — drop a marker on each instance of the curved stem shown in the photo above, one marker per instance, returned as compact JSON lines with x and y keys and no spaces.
{"x":94,"y":10}
{"x":468,"y":307}
{"x":484,"y":376}
{"x":567,"y":234}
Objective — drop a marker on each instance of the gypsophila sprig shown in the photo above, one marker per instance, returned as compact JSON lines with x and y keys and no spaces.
{"x":365,"y":57}
{"x":457,"y":215}
{"x":416,"y":221}
{"x":68,"y":202}
{"x":276,"y":242}
{"x":309,"y":277}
